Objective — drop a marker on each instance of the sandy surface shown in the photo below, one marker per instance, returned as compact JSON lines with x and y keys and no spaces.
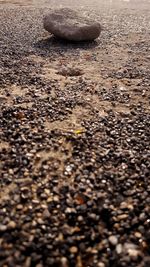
{"x":74,"y":129}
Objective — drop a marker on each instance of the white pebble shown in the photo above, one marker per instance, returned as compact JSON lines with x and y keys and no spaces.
{"x":119,"y":249}
{"x":113,"y":240}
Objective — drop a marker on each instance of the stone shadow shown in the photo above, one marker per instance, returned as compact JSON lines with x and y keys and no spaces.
{"x":53,"y":43}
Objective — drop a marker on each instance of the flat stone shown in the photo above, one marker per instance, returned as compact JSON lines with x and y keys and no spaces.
{"x":71,"y":25}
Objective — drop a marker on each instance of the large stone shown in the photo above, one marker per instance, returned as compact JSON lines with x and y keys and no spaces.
{"x":69,"y":24}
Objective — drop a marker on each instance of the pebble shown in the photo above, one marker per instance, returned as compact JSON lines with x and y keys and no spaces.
{"x":113,"y":240}
{"x":122,"y":217}
{"x":64,"y":262}
{"x":3,"y":228}
{"x":119,"y":248}
{"x":80,"y":219}
{"x":46,"y":214}
{"x":11,"y":225}
{"x":100,"y":264}
{"x":73,"y":250}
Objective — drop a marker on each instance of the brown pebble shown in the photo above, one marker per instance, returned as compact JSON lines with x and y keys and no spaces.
{"x":46,"y":214}
{"x":11,"y":225}
{"x":73,"y":250}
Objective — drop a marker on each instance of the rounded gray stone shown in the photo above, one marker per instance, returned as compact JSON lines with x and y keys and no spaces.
{"x":71,"y":25}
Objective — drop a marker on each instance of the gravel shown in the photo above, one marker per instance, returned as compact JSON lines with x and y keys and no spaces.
{"x":74,"y":151}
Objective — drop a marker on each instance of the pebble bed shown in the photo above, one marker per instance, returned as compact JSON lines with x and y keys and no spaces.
{"x":75,"y":142}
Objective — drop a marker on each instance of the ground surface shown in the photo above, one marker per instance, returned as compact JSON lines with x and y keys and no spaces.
{"x":74,"y":129}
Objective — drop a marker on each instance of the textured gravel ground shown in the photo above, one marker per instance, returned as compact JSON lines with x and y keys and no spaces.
{"x":75,"y":139}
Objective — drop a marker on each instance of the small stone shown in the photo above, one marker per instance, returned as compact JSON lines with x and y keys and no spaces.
{"x":56,"y":198}
{"x":19,"y":207}
{"x":80,"y":218}
{"x":70,"y":210}
{"x":25,"y":192}
{"x":119,"y":249}
{"x":69,"y":168}
{"x":11,"y":171}
{"x":100,"y":264}
{"x":27,"y":262}
{"x":122,"y":217}
{"x":11,"y":225}
{"x":64,"y":262}
{"x":133,"y":253}
{"x":132,"y":250}
{"x":46,"y":214}
{"x":73,"y":250}
{"x":3,"y":228}
{"x":40,"y":221}
{"x":47,"y":191}
{"x":113,"y":240}
{"x":138,"y":234}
